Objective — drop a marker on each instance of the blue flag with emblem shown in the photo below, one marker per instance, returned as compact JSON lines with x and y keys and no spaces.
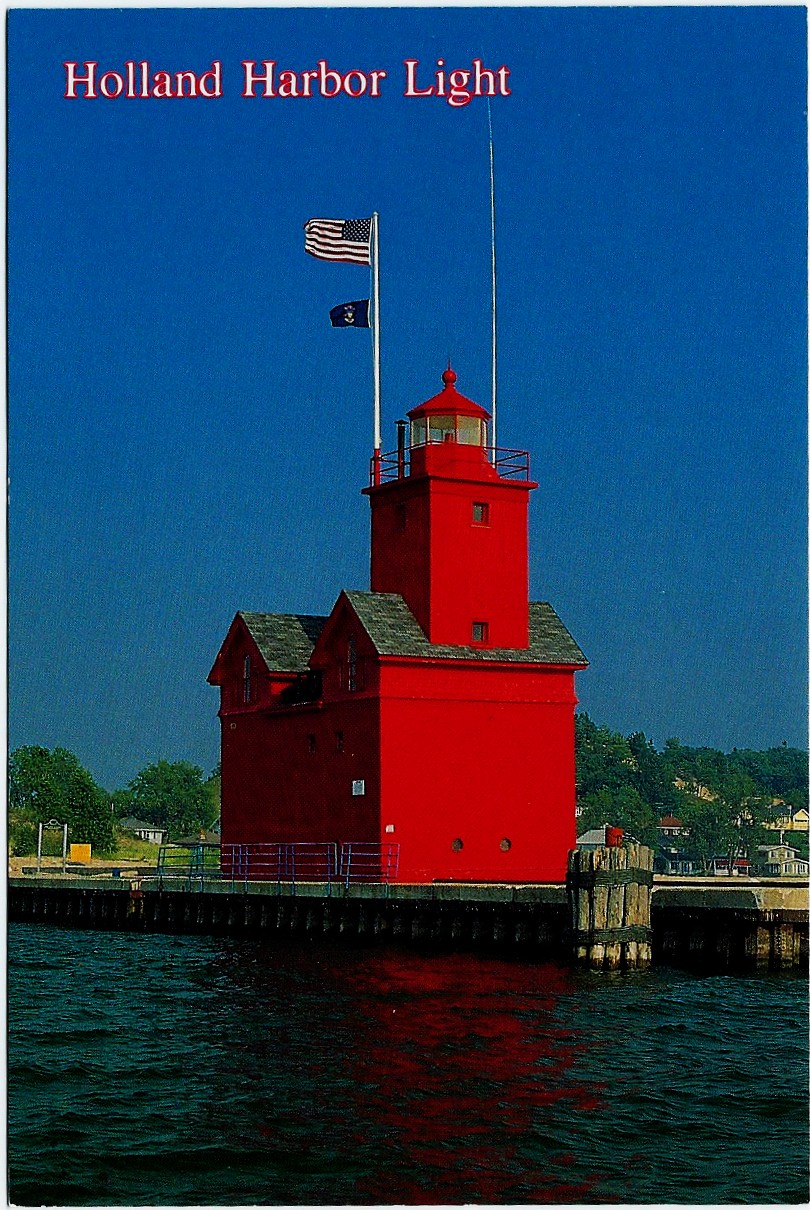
{"x":350,"y":314}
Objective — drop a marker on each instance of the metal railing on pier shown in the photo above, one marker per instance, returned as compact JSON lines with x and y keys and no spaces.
{"x":285,"y":864}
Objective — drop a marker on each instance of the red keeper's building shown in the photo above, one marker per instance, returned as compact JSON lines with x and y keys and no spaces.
{"x":435,"y":712}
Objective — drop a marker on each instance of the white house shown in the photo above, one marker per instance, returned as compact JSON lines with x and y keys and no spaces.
{"x":144,"y":831}
{"x":781,"y":860}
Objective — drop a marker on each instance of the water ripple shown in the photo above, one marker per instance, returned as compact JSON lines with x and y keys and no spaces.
{"x":209,"y":1071}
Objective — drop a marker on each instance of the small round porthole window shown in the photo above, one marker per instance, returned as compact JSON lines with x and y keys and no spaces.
{"x":505,"y":845}
{"x":457,"y":845}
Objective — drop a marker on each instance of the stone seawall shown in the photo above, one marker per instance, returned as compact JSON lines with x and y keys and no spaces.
{"x":707,"y":924}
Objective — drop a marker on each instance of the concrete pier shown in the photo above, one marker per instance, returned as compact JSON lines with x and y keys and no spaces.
{"x":712,"y":924}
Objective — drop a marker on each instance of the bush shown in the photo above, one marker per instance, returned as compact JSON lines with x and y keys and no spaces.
{"x":22,"y":839}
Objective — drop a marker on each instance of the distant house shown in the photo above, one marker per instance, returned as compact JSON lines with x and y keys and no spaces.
{"x":144,"y":831}
{"x":720,"y":865}
{"x":669,"y":859}
{"x":669,"y":856}
{"x":595,"y":839}
{"x":779,"y":860}
{"x":792,"y":821}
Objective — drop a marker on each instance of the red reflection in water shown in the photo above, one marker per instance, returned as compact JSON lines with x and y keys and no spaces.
{"x":422,"y":1080}
{"x":460,"y":1066}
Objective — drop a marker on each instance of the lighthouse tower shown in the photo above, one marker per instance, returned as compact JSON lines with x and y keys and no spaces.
{"x":432,"y":717}
{"x":451,"y":534}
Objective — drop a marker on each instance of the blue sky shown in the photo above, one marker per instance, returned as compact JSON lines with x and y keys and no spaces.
{"x":189,"y":437}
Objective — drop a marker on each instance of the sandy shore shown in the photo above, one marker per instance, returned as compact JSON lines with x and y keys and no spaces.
{"x":16,"y":864}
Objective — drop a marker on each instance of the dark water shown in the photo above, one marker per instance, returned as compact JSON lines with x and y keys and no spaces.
{"x":195,"y":1070}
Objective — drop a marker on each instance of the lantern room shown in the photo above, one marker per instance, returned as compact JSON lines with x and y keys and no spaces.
{"x":449,"y":419}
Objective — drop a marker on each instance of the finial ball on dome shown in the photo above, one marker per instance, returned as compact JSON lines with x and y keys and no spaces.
{"x":449,"y":377}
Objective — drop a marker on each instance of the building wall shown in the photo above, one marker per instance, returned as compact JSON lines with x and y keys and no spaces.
{"x":481,"y":755}
{"x":479,"y":572}
{"x":466,"y":752}
{"x":287,"y":770}
{"x":400,"y":546}
{"x":285,"y":777}
{"x":451,"y":570}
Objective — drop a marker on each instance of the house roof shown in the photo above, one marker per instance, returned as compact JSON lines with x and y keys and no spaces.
{"x":285,"y":640}
{"x":596,"y":836}
{"x":131,"y":824}
{"x":669,"y":821}
{"x":394,"y":630}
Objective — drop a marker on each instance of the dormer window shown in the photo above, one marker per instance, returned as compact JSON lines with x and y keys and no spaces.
{"x":246,"y":685}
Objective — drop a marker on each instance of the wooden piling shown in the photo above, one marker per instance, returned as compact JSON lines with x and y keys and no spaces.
{"x":609,"y":891}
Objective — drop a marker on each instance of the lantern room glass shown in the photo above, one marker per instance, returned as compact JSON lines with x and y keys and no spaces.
{"x":433,"y":430}
{"x":471,"y":431}
{"x":441,"y":428}
{"x":418,"y":431}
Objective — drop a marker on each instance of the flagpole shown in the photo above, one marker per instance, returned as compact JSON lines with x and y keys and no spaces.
{"x":494,"y":297}
{"x":375,"y":231}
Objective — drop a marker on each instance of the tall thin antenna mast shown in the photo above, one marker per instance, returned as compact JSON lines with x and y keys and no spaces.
{"x":375,"y":341}
{"x":494,"y":295}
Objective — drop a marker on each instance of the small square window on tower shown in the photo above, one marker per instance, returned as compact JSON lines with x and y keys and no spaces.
{"x":480,"y":514}
{"x":480,"y":632}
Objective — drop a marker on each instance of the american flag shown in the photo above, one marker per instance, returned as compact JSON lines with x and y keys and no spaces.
{"x":347,"y":240}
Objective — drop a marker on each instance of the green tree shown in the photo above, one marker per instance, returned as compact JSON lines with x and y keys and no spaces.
{"x":121,"y":801}
{"x":622,"y":808}
{"x":651,"y":778}
{"x":47,"y":785}
{"x":604,"y":760}
{"x":748,"y":809}
{"x":777,"y":771}
{"x":700,"y":768}
{"x":173,"y":796}
{"x":797,"y":840}
{"x":214,"y":787}
{"x":706,"y":829}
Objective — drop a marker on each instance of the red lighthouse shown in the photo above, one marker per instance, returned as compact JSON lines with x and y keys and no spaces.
{"x":434,"y":714}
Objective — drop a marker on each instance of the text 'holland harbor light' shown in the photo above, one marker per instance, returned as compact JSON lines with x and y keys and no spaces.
{"x":138,"y":81}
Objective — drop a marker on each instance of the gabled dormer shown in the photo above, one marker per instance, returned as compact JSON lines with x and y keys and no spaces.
{"x":265,"y":657}
{"x":344,"y":655}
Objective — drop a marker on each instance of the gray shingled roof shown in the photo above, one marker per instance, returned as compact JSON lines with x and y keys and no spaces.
{"x":394,"y":630}
{"x":284,"y":639}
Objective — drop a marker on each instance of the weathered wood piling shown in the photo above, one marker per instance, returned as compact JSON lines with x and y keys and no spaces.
{"x":609,"y":896}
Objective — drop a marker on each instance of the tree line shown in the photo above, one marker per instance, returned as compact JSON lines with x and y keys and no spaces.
{"x":724,"y":800}
{"x":45,"y":786}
